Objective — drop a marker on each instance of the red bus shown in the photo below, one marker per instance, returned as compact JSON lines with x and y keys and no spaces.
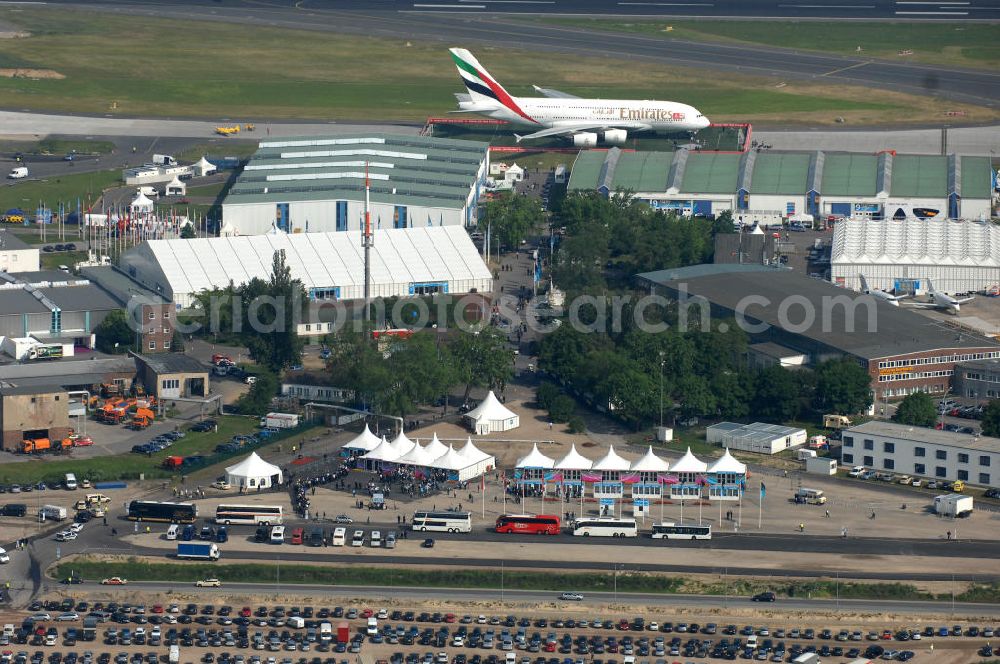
{"x":540,"y":524}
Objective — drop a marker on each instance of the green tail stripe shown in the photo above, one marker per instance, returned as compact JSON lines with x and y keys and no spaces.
{"x":462,"y":64}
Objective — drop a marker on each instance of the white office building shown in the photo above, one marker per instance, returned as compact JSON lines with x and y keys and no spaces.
{"x":923,"y":452}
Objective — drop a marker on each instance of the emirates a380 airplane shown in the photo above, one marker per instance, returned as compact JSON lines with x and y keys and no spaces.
{"x":559,"y":114}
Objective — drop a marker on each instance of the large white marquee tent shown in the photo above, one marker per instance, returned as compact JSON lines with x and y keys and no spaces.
{"x":491,"y":416}
{"x":461,"y":465}
{"x":253,"y":473}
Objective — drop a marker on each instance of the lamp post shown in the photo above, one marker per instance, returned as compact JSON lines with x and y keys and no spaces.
{"x":662,"y":362}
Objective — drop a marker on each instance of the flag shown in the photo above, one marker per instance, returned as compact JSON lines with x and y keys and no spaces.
{"x":763,"y":490}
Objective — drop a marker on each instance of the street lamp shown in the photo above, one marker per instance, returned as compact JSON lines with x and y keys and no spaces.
{"x":662,"y":362}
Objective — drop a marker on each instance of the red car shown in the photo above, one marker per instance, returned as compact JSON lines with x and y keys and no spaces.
{"x":367,"y":613}
{"x":450,"y":618}
{"x":157,"y":608}
{"x":83,"y":441}
{"x":624,"y":626}
{"x":245,"y":612}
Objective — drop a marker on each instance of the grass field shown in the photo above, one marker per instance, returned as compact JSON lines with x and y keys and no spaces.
{"x":122,"y":466}
{"x":67,"y":189}
{"x":69,"y":258}
{"x":220,"y":147}
{"x":961,"y":44}
{"x":336,"y":77}
{"x":625,"y":581}
{"x":58,"y":146}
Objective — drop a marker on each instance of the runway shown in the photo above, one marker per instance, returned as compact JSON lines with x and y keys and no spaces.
{"x":468,"y":22}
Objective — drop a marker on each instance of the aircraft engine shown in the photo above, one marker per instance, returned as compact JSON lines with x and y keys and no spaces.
{"x":615,"y":136}
{"x":585,"y":139}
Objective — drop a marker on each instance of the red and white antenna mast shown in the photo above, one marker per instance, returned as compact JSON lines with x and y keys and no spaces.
{"x":367,"y":240}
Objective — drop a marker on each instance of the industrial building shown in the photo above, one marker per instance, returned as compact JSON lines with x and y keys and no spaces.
{"x":317,"y":184}
{"x":767,"y":186}
{"x":902,"y":350}
{"x":909,"y":450}
{"x":905,"y":255}
{"x":32,"y":413}
{"x":978,"y":379}
{"x":404,"y":262}
{"x":172,"y":375}
{"x":758,"y":437}
{"x":16,"y":255}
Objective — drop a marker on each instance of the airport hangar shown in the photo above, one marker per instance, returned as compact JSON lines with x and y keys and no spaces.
{"x":766,"y":186}
{"x":906,"y":352}
{"x":317,"y":184}
{"x":405,"y":262}
{"x":906,"y":256}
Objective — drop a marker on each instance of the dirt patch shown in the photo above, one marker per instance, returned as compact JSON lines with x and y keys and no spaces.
{"x":30,"y":73}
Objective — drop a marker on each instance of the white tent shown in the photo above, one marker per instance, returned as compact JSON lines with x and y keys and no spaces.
{"x":253,"y":473}
{"x":479,"y":462}
{"x":612,"y":461}
{"x":203,"y":167}
{"x":417,"y":456}
{"x":435,"y":448}
{"x":535,"y":459}
{"x":473,"y":453}
{"x":650,"y":463}
{"x":401,"y":444}
{"x":688,"y":463}
{"x":175,"y":188}
{"x":366,"y":441}
{"x":727,"y":463}
{"x":141,"y":202}
{"x":383,"y":452}
{"x":574,"y":461}
{"x":491,"y":416}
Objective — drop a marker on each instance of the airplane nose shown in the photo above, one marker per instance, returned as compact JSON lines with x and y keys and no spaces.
{"x":704,"y":122}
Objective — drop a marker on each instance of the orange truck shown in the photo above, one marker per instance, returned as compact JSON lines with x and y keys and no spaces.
{"x":143,"y":418}
{"x":40,"y":445}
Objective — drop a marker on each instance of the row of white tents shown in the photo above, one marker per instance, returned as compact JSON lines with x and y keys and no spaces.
{"x":612,"y":462}
{"x":379,"y":453}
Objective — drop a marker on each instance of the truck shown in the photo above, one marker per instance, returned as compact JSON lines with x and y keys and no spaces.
{"x":142,"y":418}
{"x":279,"y":421}
{"x":164,"y":160}
{"x":836,"y":421}
{"x":173,"y":462}
{"x":39,"y":445}
{"x":197,"y":551}
{"x":45,"y":352}
{"x":175,"y":654}
{"x":51,"y":513}
{"x":18,"y":173}
{"x":953,"y":505}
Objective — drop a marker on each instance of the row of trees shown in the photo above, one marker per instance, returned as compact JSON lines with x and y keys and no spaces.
{"x":919,"y":409}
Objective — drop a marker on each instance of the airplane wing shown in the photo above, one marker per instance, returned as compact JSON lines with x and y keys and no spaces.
{"x":924,"y":305}
{"x":571,"y":128}
{"x":553,"y":94}
{"x":965,"y":299}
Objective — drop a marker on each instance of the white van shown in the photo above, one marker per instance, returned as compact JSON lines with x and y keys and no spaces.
{"x":4,"y":557}
{"x":359,"y":538}
{"x":325,"y":632}
{"x":172,"y":531}
{"x":811,"y":496}
{"x":277,"y":535}
{"x":18,"y":173}
{"x":340,"y":536}
{"x":376,"y":540}
{"x":70,"y":482}
{"x":372,"y":626}
{"x":296,"y":622}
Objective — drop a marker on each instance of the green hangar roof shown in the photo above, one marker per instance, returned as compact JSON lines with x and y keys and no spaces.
{"x":711,"y":173}
{"x":914,"y":175}
{"x":849,"y":175}
{"x":780,"y":173}
{"x":976,"y":175}
{"x":416,"y":170}
{"x":617,"y":169}
{"x":586,"y":170}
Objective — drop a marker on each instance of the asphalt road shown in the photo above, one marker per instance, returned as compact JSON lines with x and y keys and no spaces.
{"x":400,"y":594}
{"x":474,"y":22}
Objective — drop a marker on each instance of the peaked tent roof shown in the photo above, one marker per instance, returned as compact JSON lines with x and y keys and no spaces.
{"x":574,"y":461}
{"x":491,"y":409}
{"x":650,"y":463}
{"x":727,"y":463}
{"x":473,"y":453}
{"x":384,"y":452}
{"x":253,"y":466}
{"x":612,"y":461}
{"x":535,"y":459}
{"x":204,"y":164}
{"x":451,"y":460}
{"x":141,"y":201}
{"x":689,"y":463}
{"x":435,"y":448}
{"x":417,"y":456}
{"x":402,"y":444}
{"x":366,"y":440}
{"x":176,"y":182}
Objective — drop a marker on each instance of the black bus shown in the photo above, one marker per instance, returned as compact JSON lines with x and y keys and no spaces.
{"x":150,"y":510}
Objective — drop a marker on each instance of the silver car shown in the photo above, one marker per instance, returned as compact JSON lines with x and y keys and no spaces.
{"x":572,"y":597}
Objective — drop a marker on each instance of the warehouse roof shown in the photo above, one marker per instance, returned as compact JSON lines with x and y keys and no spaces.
{"x":172,"y":363}
{"x":404,"y":169}
{"x":638,"y":171}
{"x":319,"y":260}
{"x":12,"y":390}
{"x":10,"y":241}
{"x":780,"y":173}
{"x":843,"y":324}
{"x":920,"y":175}
{"x":925,"y":435}
{"x":916,"y":242}
{"x":849,"y":174}
{"x":710,"y":173}
{"x":976,"y":176}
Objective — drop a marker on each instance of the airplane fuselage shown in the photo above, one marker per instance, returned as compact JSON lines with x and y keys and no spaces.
{"x":662,"y":116}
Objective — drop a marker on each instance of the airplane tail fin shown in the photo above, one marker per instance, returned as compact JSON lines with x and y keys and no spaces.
{"x":482,"y":87}
{"x":930,"y":286}
{"x":864,"y":284}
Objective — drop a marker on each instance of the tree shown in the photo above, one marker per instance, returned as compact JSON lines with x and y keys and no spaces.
{"x":842,"y":386}
{"x":545,"y":393}
{"x":188,"y":232}
{"x":482,"y":358}
{"x":562,"y":408}
{"x":424,"y":369}
{"x":257,"y":400}
{"x":114,"y":334}
{"x":269,"y":330}
{"x":991,"y":418}
{"x":510,"y":218}
{"x":776,"y":397}
{"x":917,"y":409}
{"x":177,"y":342}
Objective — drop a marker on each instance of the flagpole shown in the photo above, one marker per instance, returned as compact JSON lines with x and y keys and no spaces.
{"x":760,"y":509}
{"x":482,"y":492}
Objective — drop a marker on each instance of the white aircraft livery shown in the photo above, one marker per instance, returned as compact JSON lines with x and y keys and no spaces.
{"x":558,"y":114}
{"x":891,"y":298}
{"x":941,"y":300}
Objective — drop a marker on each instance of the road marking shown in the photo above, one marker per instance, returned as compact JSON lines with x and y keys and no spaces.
{"x":827,"y":6}
{"x":934,"y":13}
{"x":515,"y":2}
{"x":854,"y":66}
{"x":450,"y":6}
{"x":925,"y":2}
{"x":669,"y":4}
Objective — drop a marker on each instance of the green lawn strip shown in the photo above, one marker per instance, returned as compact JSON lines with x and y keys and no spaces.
{"x":68,"y":258}
{"x":221,"y":147}
{"x":58,"y":146}
{"x":963,"y":44}
{"x":243,"y":82}
{"x":625,"y":581}
{"x":66,"y":189}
